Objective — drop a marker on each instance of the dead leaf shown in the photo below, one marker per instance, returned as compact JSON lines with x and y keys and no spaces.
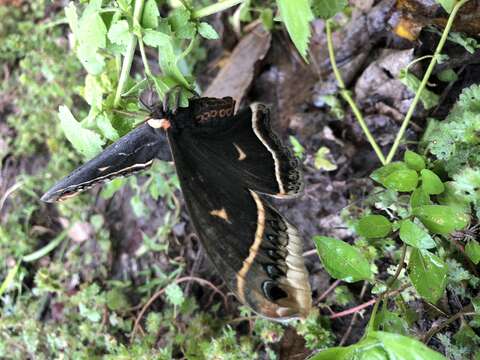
{"x":237,"y":74}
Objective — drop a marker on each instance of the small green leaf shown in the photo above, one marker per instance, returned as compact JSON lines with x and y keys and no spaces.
{"x":414,"y":161}
{"x":473,"y":251}
{"x":167,"y":58}
{"x":441,"y":219}
{"x":374,"y":226}
{"x":419,"y":198}
{"x":341,"y":260}
{"x":428,"y":274}
{"x":119,"y":33}
{"x":431,"y":183}
{"x":402,"y":180}
{"x":447,"y":4}
{"x":414,"y":235}
{"x":298,"y":149}
{"x":179,"y":20}
{"x":150,"y":15}
{"x":322,"y":162}
{"x":72,"y":17}
{"x":92,"y":31}
{"x":380,"y":174}
{"x":92,"y":61}
{"x":429,"y":99}
{"x":326,"y":9}
{"x":447,"y":75}
{"x":83,"y":140}
{"x":174,"y":294}
{"x":207,"y":31}
{"x":450,"y":197}
{"x":381,"y":345}
{"x":297,"y":14}
{"x":267,"y":18}
{"x":116,"y":300}
{"x":104,"y":124}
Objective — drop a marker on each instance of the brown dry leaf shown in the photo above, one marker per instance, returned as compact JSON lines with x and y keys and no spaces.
{"x":236,"y":75}
{"x":416,"y":14}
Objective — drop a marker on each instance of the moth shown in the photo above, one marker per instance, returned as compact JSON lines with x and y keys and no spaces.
{"x":227,"y":164}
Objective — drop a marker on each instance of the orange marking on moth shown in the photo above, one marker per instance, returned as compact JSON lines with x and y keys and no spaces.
{"x":222,"y":214}
{"x":247,"y":263}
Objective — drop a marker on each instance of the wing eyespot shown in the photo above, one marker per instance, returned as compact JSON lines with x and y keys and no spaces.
{"x":272,"y":291}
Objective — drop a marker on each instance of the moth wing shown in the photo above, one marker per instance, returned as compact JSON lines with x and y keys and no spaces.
{"x":132,"y":153}
{"x":256,"y":251}
{"x":250,"y":150}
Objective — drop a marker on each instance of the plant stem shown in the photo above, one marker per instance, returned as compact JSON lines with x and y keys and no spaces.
{"x":127,"y":60}
{"x":347,"y":97}
{"x":214,"y":8}
{"x":429,"y":71}
{"x":148,"y":72}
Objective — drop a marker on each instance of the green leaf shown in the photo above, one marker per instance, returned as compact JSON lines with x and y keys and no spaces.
{"x":374,"y":226}
{"x":431,"y":183}
{"x":419,"y":198}
{"x":267,"y":18}
{"x":104,"y":124}
{"x":447,"y":4}
{"x":72,"y":17}
{"x":441,"y":219}
{"x":414,"y":235}
{"x":207,"y":31}
{"x":119,"y":33}
{"x":298,"y":148}
{"x":380,"y":174}
{"x":92,"y":61}
{"x":447,"y":75}
{"x":341,"y":260}
{"x":429,"y":99}
{"x":381,"y":345}
{"x":473,"y":251}
{"x":150,"y":15}
{"x":450,"y":197}
{"x":174,"y":294}
{"x":414,"y":161}
{"x":402,"y":180}
{"x":180,"y":23}
{"x":326,"y":9}
{"x":296,"y":14}
{"x":428,"y":274}
{"x":83,"y":140}
{"x":467,"y":184}
{"x":92,"y":31}
{"x":322,"y":162}
{"x":167,"y":58}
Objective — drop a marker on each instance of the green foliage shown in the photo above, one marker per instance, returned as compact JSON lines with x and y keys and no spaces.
{"x":341,"y":260}
{"x":374,"y":226}
{"x":382,"y":346}
{"x":321,"y":161}
{"x":297,"y":15}
{"x":326,"y":9}
{"x":429,"y":99}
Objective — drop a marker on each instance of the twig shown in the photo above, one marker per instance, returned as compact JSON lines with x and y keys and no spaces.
{"x":347,"y":97}
{"x":160,"y":293}
{"x":465,"y":312}
{"x":329,"y":290}
{"x":424,"y":82}
{"x":354,"y":317}
{"x":367,"y":304}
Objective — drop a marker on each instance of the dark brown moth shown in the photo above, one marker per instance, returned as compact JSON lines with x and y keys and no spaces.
{"x":228,"y":164}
